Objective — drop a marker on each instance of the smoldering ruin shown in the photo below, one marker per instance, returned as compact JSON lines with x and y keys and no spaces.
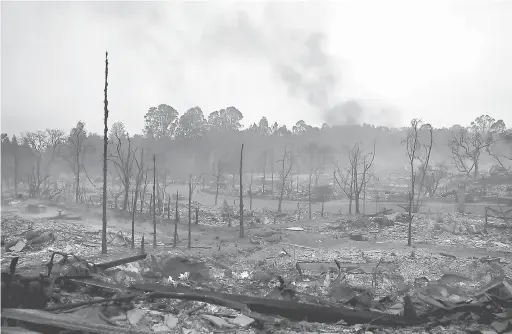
{"x":202,"y":222}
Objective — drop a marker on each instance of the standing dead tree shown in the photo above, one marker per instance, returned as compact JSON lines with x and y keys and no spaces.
{"x":37,"y":141}
{"x":138,"y":180}
{"x":218,"y":174}
{"x":264,"y":158}
{"x":285,"y":172}
{"x":153,"y":197}
{"x":105,"y":148}
{"x":414,"y":155}
{"x":313,"y":157}
{"x":466,"y":150}
{"x":345,"y":183}
{"x":250,"y":190}
{"x":434,"y":178}
{"x":425,"y":160}
{"x":241,"y":193}
{"x":192,"y":184}
{"x":74,"y":151}
{"x":360,"y":164}
{"x":501,"y":150}
{"x":468,"y":144}
{"x":123,"y":159}
{"x":45,"y":146}
{"x":176,"y":220}
{"x":144,"y":190}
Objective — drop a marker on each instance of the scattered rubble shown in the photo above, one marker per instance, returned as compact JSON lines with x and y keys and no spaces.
{"x":267,"y":282}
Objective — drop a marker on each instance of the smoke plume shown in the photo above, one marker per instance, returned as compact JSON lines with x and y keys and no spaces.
{"x":296,"y":54}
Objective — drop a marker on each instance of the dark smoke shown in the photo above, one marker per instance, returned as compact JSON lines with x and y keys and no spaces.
{"x":349,"y":112}
{"x":296,"y":55}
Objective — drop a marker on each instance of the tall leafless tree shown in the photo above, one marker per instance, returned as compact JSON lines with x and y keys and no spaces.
{"x":345,"y":181}
{"x":468,"y":144}
{"x":286,"y":160}
{"x":153,"y":197}
{"x":218,"y":174}
{"x":192,"y":184}
{"x":176,"y":220}
{"x":138,"y":180}
{"x":265,"y":154}
{"x":241,"y":193}
{"x":416,"y":152}
{"x":360,"y":164}
{"x":123,"y":158}
{"x":105,"y":148}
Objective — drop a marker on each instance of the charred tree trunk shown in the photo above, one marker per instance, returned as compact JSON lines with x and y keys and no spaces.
{"x":105,"y":148}
{"x":133,"y":217}
{"x":272,"y":185}
{"x":154,"y":201}
{"x":169,"y":207}
{"x":16,"y":170}
{"x":241,"y":194}
{"x":126,"y":193}
{"x":176,"y":220}
{"x":309,"y":196}
{"x":190,"y":211}
{"x":77,"y":189}
{"x":216,"y":191}
{"x":250,"y":194}
{"x":137,"y":185}
{"x":264,"y":172}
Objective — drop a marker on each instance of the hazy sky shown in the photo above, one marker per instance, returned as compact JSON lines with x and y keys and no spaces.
{"x":444,"y":61}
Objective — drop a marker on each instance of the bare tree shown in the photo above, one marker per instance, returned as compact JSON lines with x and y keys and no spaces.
{"x":218,"y":174}
{"x":74,"y":151}
{"x":265,"y":154}
{"x":501,"y":149}
{"x":468,"y":144}
{"x":272,"y":165}
{"x":425,"y":159}
{"x":434,"y":179}
{"x":414,"y":155}
{"x":192,"y":184}
{"x":123,"y":159}
{"x":153,"y":197}
{"x":45,"y":146}
{"x":250,"y":191}
{"x":105,"y":148}
{"x":313,"y":156}
{"x":144,"y":190}
{"x":466,"y":150}
{"x":345,"y":183}
{"x":286,"y":160}
{"x":138,"y":180}
{"x":176,"y":220}
{"x":241,"y":193}
{"x":15,"y":149}
{"x":360,"y":164}
{"x":37,"y":141}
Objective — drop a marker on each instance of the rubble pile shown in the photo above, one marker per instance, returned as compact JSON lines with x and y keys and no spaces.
{"x":262,"y":282}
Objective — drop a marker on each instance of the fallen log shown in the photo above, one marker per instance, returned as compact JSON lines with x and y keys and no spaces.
{"x":61,"y":307}
{"x":289,"y":309}
{"x":115,"y":263}
{"x":17,"y":330}
{"x":63,"y":321}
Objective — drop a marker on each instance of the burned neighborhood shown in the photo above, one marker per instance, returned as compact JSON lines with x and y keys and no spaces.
{"x":256,"y":170}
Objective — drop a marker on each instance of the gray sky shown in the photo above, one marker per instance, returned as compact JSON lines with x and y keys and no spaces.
{"x":444,"y":61}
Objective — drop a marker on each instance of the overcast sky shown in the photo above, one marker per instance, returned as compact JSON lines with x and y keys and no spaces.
{"x":444,"y":61}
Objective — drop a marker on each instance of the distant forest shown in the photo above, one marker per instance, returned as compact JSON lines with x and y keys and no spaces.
{"x":192,"y":144}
